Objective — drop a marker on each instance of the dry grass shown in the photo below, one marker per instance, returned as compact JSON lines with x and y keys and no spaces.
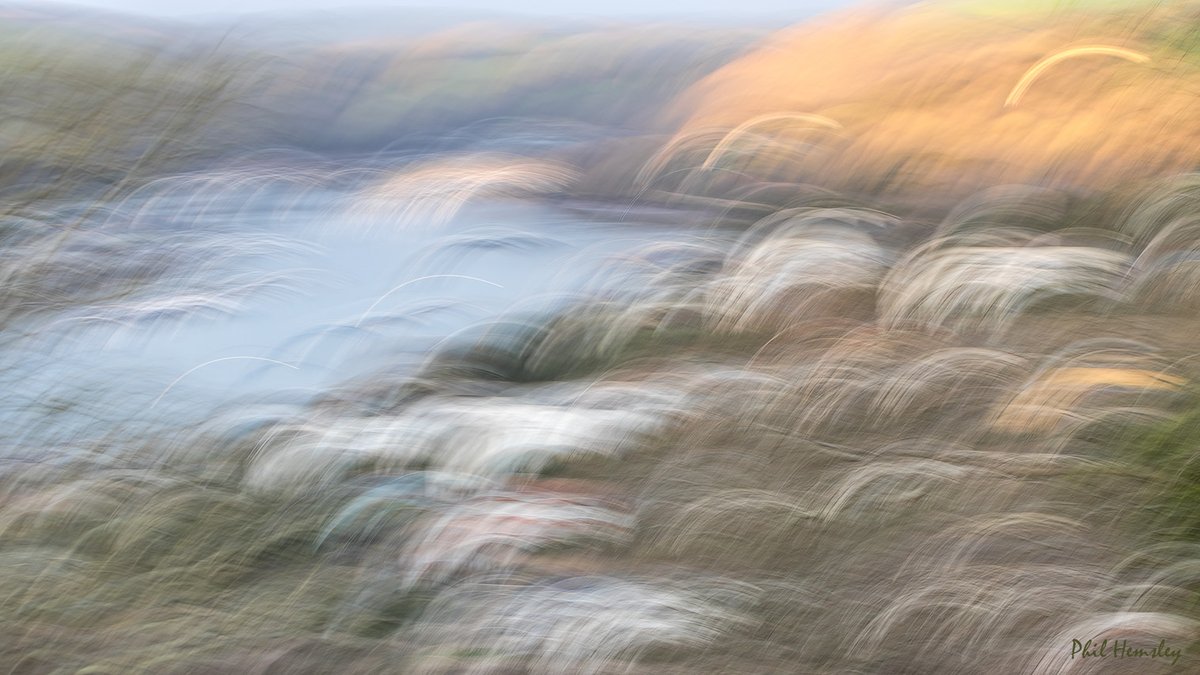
{"x":919,"y":96}
{"x":842,"y":439}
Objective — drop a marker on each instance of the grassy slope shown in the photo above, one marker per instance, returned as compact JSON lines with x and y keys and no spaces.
{"x":920,"y":96}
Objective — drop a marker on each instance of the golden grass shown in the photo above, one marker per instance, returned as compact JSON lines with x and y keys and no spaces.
{"x":920,"y":94}
{"x":1042,"y":406}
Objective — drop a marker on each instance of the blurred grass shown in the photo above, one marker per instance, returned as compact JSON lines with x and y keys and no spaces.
{"x":920,"y":100}
{"x":1169,"y":454}
{"x":81,"y":115}
{"x":172,"y":570}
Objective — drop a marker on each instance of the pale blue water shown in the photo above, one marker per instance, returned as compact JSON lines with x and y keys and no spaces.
{"x":349,"y":295}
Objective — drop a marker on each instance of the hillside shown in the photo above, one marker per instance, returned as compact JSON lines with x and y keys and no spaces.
{"x":940,"y":100}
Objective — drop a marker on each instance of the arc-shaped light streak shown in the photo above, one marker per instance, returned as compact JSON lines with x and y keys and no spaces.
{"x":1041,"y":66}
{"x":209,"y":363}
{"x":413,"y":281}
{"x":740,"y":130}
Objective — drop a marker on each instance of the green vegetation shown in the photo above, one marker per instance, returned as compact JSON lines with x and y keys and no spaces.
{"x":1168,"y":454}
